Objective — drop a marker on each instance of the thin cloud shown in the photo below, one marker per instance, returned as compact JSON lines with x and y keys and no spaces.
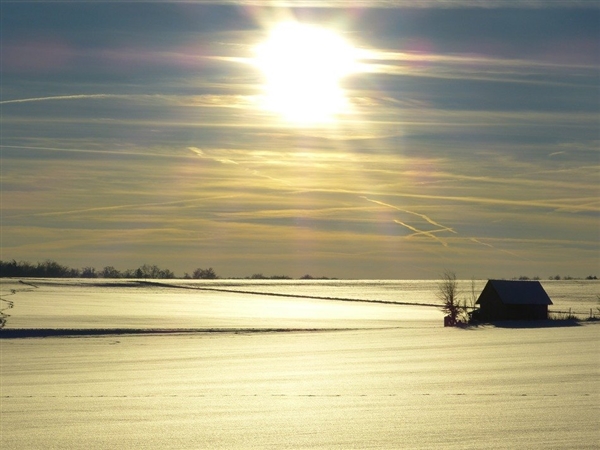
{"x":477,"y":60}
{"x":549,"y":204}
{"x":140,"y":154}
{"x":576,"y":208}
{"x":253,"y":172}
{"x":208,"y":100}
{"x":61,"y":97}
{"x":201,"y":154}
{"x":449,"y":177}
{"x":543,"y":241}
{"x":379,"y":4}
{"x":477,"y":241}
{"x":476,"y":68}
{"x":130,"y":206}
{"x":219,"y":101}
{"x":317,"y":212}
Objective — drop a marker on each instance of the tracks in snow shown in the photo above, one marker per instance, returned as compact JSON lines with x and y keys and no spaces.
{"x":275,"y":294}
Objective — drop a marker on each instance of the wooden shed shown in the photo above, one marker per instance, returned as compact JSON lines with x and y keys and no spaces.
{"x":513,"y":300}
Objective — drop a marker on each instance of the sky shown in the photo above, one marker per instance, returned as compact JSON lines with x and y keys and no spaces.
{"x":460,"y":136}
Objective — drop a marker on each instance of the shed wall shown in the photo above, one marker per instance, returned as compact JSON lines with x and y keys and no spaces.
{"x":490,"y":305}
{"x":492,"y":308}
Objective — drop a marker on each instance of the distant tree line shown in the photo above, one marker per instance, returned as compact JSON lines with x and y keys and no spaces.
{"x":46,"y":269}
{"x":556,"y":277}
{"x":567,"y":277}
{"x":52,"y":269}
{"x":260,"y":276}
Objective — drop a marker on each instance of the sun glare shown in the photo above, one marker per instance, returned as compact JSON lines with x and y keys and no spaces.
{"x":303,"y":66}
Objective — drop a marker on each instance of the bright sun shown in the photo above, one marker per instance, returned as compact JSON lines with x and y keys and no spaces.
{"x":303,"y":65}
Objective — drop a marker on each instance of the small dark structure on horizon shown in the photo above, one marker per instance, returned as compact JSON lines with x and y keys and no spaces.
{"x":513,"y":300}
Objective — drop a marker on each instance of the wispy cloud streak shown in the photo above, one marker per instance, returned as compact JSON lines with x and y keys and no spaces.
{"x":130,"y":206}
{"x":93,"y":151}
{"x":253,"y":172}
{"x":550,"y":204}
{"x":477,"y":241}
{"x":61,"y":97}
{"x":379,"y":4}
{"x":477,"y":68}
{"x":207,"y":100}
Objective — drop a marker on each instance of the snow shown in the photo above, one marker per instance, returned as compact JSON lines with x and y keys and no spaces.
{"x":365,"y":384}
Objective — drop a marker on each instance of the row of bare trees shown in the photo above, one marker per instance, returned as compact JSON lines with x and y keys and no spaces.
{"x":52,"y":269}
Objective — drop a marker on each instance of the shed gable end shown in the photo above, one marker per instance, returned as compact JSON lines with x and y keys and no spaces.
{"x":513,"y":300}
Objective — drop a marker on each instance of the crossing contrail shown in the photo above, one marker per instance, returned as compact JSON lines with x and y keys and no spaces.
{"x":430,"y":233}
{"x":418,"y":232}
{"x":423,"y":216}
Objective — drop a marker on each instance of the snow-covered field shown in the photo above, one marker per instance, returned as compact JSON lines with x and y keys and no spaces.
{"x":247,"y":371}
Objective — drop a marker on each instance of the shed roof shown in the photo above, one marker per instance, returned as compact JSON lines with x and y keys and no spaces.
{"x":519,"y":292}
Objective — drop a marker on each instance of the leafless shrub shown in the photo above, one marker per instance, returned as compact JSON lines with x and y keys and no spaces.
{"x":448,"y":295}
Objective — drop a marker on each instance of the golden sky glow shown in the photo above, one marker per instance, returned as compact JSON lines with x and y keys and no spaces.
{"x":350,"y":142}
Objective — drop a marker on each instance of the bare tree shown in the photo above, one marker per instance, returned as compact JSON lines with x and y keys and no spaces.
{"x":88,"y":272}
{"x":110,"y":272}
{"x":205,"y":274}
{"x":448,"y":295}
{"x":467,"y":306}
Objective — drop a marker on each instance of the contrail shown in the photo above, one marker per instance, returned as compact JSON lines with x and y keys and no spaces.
{"x":78,"y":150}
{"x":477,"y":241}
{"x":442,"y":228}
{"x":122,"y":206}
{"x":253,"y":172}
{"x":439,"y":230}
{"x":59,"y":97}
{"x":94,"y":151}
{"x":482,"y":243}
{"x":423,"y":216}
{"x":425,"y":233}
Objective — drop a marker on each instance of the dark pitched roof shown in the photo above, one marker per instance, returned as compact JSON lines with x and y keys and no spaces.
{"x":519,"y":292}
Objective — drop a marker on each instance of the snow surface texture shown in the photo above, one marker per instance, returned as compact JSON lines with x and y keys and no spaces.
{"x":372,"y":385}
